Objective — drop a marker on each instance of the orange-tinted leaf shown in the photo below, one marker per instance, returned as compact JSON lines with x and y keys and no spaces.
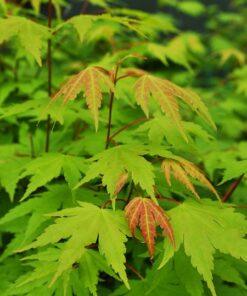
{"x":91,"y":80}
{"x":143,"y":212}
{"x":162,"y":220}
{"x":182,"y":170}
{"x":166,"y":94}
{"x":121,"y":182}
{"x":148,"y":227}
{"x":133,"y":72}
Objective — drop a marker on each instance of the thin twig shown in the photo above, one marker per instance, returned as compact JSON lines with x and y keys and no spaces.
{"x":114,"y":80}
{"x":232,"y":188}
{"x":130,"y":267}
{"x":32,"y":152}
{"x":170,"y":199}
{"x":109,"y":201}
{"x":49,"y":68}
{"x":131,"y":187}
{"x":130,"y":124}
{"x":84,"y":6}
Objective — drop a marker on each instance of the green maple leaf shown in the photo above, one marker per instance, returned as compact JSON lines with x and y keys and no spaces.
{"x":150,"y":24}
{"x":165,"y":53}
{"x":29,"y":34}
{"x":160,"y":126}
{"x":36,"y":281}
{"x":204,"y":228}
{"x":157,"y":282}
{"x":193,"y":8}
{"x":113,"y":163}
{"x":228,"y":272}
{"x":84,"y":275}
{"x":19,"y":108}
{"x":35,"y":209}
{"x":234,"y":169}
{"x":187,"y":274}
{"x":109,"y":227}
{"x":10,"y":170}
{"x":83,"y":24}
{"x":49,"y":166}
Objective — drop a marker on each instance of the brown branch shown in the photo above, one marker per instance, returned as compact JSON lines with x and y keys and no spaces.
{"x":232,"y":188}
{"x":170,"y":199}
{"x":130,"y":267}
{"x":114,"y":80}
{"x":109,"y":201}
{"x":130,"y":124}
{"x":84,"y":7}
{"x":123,"y":76}
{"x":49,"y":68}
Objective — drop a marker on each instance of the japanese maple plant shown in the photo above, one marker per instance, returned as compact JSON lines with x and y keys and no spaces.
{"x":107,"y":184}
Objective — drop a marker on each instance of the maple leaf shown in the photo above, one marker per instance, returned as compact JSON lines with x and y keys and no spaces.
{"x":44,"y":265}
{"x":225,"y":269}
{"x":145,"y":213}
{"x":228,"y":53}
{"x":166,"y":94}
{"x":13,"y":166}
{"x":49,"y":166}
{"x":150,"y":24}
{"x":29,"y":34}
{"x":160,"y":126}
{"x":92,"y":81}
{"x":187,"y":274}
{"x":35,"y":209}
{"x":183,"y":169}
{"x":84,"y":24}
{"x":114,"y":163}
{"x":234,"y":169}
{"x":107,"y":226}
{"x":204,"y":228}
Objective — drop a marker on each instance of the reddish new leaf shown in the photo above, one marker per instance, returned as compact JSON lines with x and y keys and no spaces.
{"x":145,"y":213}
{"x":92,"y":81}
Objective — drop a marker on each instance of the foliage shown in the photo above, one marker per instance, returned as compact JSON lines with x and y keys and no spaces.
{"x":148,"y":200}
{"x":147,"y":214}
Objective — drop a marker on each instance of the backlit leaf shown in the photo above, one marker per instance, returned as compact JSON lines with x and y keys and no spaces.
{"x":30,"y":35}
{"x":108,"y":226}
{"x":181,"y":170}
{"x":114,"y":162}
{"x":91,"y":81}
{"x":144,"y":213}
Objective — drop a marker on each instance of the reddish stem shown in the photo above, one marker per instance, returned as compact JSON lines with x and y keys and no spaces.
{"x":232,"y":188}
{"x":114,"y":80}
{"x":170,"y":199}
{"x":132,"y":123}
{"x":130,"y":267}
{"x":109,"y":201}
